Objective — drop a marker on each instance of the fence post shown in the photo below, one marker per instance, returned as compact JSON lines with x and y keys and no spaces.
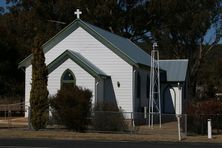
{"x":133,"y":124}
{"x":178,"y":125}
{"x":209,"y":129}
{"x":185,"y":124}
{"x":131,"y":118}
{"x":145,"y":112}
{"x":29,"y":118}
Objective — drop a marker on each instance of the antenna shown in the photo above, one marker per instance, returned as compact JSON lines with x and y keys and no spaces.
{"x":58,"y":22}
{"x":154,"y":100}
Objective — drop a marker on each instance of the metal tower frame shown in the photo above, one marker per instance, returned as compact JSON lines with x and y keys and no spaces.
{"x":154,"y":99}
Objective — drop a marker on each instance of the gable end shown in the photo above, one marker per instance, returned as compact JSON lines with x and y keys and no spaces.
{"x":78,"y":59}
{"x":68,"y":30}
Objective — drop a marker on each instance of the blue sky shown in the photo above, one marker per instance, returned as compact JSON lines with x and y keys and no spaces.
{"x":2,"y":3}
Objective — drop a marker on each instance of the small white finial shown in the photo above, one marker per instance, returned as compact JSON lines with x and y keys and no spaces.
{"x":77,"y":13}
{"x":155,"y":45}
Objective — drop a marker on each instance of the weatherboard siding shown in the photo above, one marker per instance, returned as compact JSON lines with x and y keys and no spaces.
{"x":83,"y":78}
{"x":28,"y":81}
{"x":102,"y":57}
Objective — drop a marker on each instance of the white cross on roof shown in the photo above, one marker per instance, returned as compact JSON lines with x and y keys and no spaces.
{"x":77,"y":13}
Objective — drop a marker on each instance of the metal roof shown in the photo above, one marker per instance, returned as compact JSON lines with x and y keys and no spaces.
{"x":123,"y":47}
{"x":126,"y":46}
{"x":78,"y":59}
{"x":176,"y":70}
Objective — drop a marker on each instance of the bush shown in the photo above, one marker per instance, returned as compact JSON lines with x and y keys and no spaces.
{"x":108,"y":117}
{"x":72,"y":106}
{"x":200,"y":112}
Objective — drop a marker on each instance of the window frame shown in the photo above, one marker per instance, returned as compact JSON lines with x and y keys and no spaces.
{"x":68,"y":81}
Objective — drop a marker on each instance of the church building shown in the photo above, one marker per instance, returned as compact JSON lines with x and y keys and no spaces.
{"x":112,"y":67}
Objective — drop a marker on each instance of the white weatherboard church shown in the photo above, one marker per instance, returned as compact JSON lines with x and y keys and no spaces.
{"x":112,"y":67}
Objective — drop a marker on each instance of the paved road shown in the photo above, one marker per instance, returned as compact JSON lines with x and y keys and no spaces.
{"x":40,"y":143}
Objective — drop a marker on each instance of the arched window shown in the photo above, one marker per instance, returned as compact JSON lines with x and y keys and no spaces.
{"x":138,"y":85}
{"x":68,"y":78}
{"x":148,"y":86}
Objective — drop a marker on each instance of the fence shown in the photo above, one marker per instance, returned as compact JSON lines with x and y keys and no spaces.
{"x":197,"y":124}
{"x":130,"y":123}
{"x":12,"y":116}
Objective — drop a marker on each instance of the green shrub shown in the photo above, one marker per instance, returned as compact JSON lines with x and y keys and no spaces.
{"x":39,"y":93}
{"x":72,"y":106}
{"x":108,"y":117}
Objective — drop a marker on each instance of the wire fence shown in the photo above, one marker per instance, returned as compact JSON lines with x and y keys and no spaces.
{"x":198,"y":123}
{"x":12,"y":116}
{"x":131,"y":123}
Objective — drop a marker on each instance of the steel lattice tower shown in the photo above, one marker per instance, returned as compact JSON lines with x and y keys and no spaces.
{"x":154,"y":99}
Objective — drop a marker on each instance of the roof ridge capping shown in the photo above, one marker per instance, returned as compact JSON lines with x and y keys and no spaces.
{"x":89,"y":26}
{"x":27,"y":61}
{"x":122,"y":46}
{"x":62,"y":30}
{"x":115,"y":35}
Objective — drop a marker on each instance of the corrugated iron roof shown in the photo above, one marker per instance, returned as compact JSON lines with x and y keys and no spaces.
{"x":176,"y":70}
{"x":126,"y":46}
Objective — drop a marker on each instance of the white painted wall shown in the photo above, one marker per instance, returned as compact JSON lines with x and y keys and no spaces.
{"x":172,"y":93}
{"x":99,"y":55}
{"x":82,"y":42}
{"x":178,"y":102}
{"x":83,"y":78}
{"x":28,"y":81}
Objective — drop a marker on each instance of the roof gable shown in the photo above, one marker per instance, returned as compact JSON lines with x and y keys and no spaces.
{"x":123,"y":47}
{"x":78,"y":59}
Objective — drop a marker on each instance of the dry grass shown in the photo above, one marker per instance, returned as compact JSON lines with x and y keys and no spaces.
{"x":168,"y":132}
{"x":15,"y":133}
{"x":169,"y":128}
{"x":68,"y":135}
{"x":13,"y":122}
